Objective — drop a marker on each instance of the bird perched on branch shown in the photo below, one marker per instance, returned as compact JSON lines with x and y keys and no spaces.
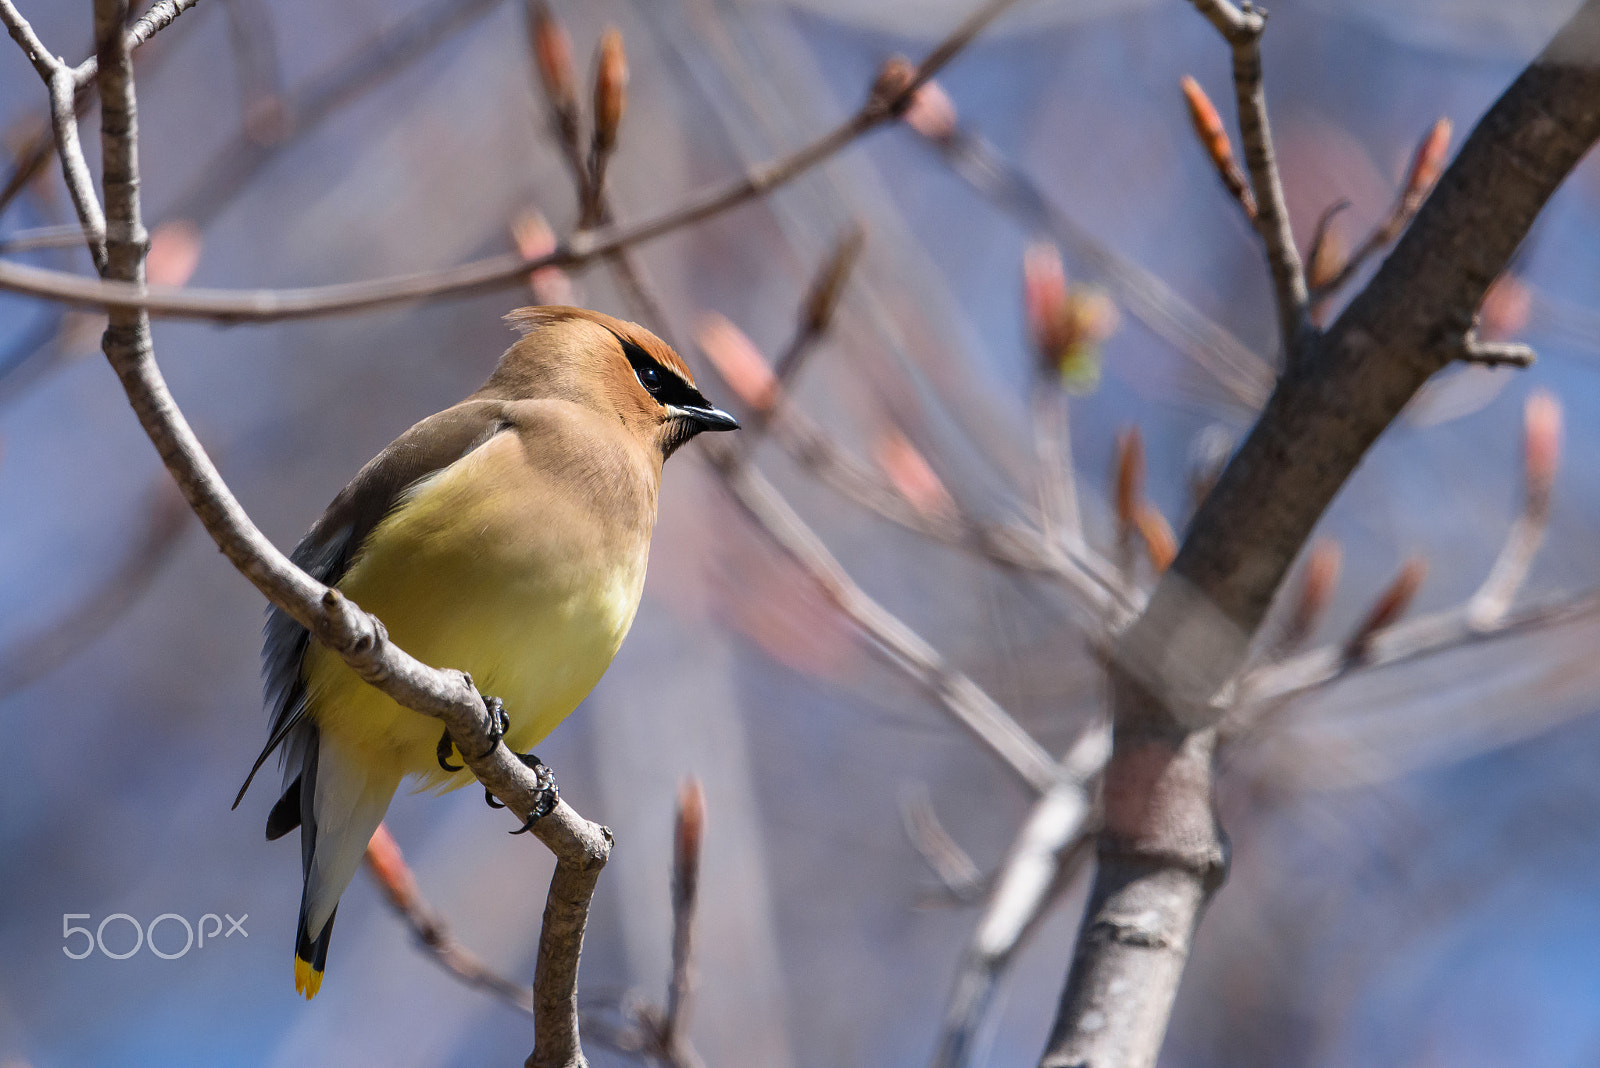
{"x":506,"y":536}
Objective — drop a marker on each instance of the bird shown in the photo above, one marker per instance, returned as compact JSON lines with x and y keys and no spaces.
{"x":506,"y":536}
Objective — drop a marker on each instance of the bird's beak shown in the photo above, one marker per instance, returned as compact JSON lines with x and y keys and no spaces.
{"x":706,"y":418}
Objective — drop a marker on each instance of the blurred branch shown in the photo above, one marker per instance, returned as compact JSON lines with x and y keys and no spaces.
{"x":1161,"y":856}
{"x":33,"y":156}
{"x":1242,"y":28}
{"x":222,"y":305}
{"x":1041,"y":861}
{"x":38,"y":654}
{"x":898,"y":643}
{"x":664,"y":1029}
{"x":1541,"y":452}
{"x":958,"y":875}
{"x":1102,"y":601}
{"x":1440,"y":632}
{"x":1496,"y":353}
{"x":387,"y":866}
{"x":42,"y":237}
{"x":302,"y":109}
{"x":581,"y":848}
{"x":1245,"y":377}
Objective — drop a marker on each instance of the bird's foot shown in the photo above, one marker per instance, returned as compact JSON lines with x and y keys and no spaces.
{"x":499,"y":723}
{"x":548,"y":795}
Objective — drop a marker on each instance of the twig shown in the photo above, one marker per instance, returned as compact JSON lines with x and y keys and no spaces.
{"x":551,"y":50}
{"x":40,"y":653}
{"x":1214,"y":139}
{"x":1268,"y":687}
{"x":581,"y":848}
{"x":898,"y":644}
{"x":58,"y":79}
{"x":1102,"y":601}
{"x":1244,"y":376}
{"x":1040,"y":862}
{"x":1389,"y":606}
{"x":41,"y":237}
{"x":1426,"y":165}
{"x":812,"y":323}
{"x":268,"y":305}
{"x":665,"y":1029}
{"x":957,"y":874}
{"x":1058,"y":484}
{"x":304,"y":108}
{"x":1496,"y":353}
{"x":34,"y":155}
{"x":388,"y":867}
{"x":1242,"y":29}
{"x":1541,"y":454}
{"x":1317,"y":585}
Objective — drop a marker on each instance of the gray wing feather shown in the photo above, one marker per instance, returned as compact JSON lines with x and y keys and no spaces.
{"x":328,"y":550}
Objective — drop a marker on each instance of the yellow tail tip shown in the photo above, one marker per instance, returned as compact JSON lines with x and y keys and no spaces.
{"x":307,"y":979}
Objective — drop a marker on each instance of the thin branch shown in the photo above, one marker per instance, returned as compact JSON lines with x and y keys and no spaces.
{"x":495,"y":272}
{"x":387,"y":866}
{"x":551,"y":49}
{"x":1496,"y":353}
{"x":40,"y":653}
{"x":389,"y":50}
{"x":42,"y":237}
{"x":58,"y":80}
{"x":1102,"y":601}
{"x":35,"y":154}
{"x":581,"y":848}
{"x":896,"y":642}
{"x":1541,"y":454}
{"x":1245,"y":377}
{"x":1042,"y":859}
{"x":958,"y":875}
{"x":665,"y":1029}
{"x":1426,"y":166}
{"x":1268,"y":687}
{"x":1242,"y":28}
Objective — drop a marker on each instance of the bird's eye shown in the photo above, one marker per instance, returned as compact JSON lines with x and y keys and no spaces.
{"x":650,"y":379}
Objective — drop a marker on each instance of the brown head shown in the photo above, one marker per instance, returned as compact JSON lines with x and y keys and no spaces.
{"x":616,"y":368}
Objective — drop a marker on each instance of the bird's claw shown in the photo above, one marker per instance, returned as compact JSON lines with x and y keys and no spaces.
{"x":499,"y":723}
{"x":442,"y":753}
{"x":549,"y":794}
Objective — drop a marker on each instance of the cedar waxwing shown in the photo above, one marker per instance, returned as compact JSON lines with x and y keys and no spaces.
{"x":506,"y":536}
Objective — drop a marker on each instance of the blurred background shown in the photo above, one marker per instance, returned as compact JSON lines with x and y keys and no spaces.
{"x":1415,"y":868}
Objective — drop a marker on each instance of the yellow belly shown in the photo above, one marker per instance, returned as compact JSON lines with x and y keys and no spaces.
{"x":470,"y":580}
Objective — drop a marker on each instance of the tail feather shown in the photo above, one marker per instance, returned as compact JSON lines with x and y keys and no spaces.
{"x":311,"y":955}
{"x":342,"y":798}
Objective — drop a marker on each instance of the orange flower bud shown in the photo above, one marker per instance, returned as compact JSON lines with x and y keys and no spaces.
{"x":174,"y":253}
{"x":1214,"y":139}
{"x":1541,"y":449}
{"x":552,"y":53}
{"x":932,"y":113}
{"x":911,"y":474}
{"x":1427,"y":164}
{"x":1389,"y":607}
{"x":610,"y":89}
{"x":1129,"y":478}
{"x":738,"y":361}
